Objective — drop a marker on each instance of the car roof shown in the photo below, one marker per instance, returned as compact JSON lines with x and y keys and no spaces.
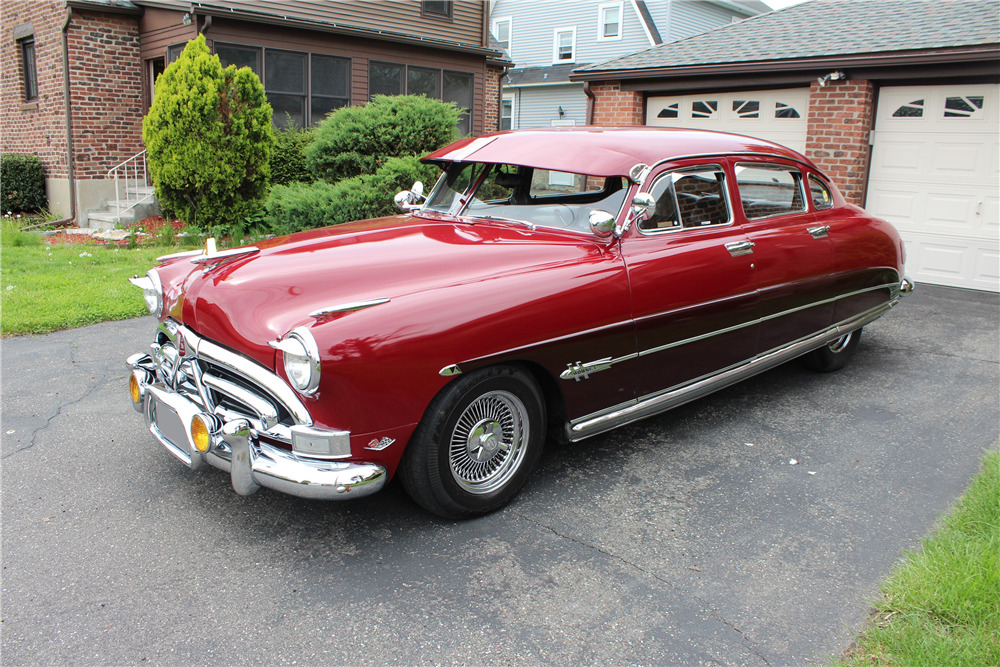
{"x":602,"y":151}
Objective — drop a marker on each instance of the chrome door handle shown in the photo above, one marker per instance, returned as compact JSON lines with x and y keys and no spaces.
{"x":740,"y":248}
{"x":819,"y":232}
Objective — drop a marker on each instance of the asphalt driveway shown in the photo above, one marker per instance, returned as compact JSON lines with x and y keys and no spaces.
{"x":689,"y":538}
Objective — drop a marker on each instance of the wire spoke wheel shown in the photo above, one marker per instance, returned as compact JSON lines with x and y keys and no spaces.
{"x":488,"y":442}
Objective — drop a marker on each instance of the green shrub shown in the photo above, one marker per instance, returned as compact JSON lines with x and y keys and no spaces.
{"x":209,"y":138}
{"x":288,"y":159}
{"x":304,"y":206}
{"x":359,"y":139}
{"x":22,"y":184}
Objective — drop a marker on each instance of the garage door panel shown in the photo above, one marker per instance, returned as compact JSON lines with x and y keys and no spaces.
{"x":934,"y":174}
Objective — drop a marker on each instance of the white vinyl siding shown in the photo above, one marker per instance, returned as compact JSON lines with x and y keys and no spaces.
{"x":678,"y":19}
{"x":538,"y":106}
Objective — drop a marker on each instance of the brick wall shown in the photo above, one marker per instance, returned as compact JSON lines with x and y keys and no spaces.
{"x":491,"y":107}
{"x":36,"y":128}
{"x":614,"y":106}
{"x":839,"y":123}
{"x":106,"y":91}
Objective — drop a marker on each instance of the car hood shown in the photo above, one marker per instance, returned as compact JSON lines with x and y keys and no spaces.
{"x":244,"y":302}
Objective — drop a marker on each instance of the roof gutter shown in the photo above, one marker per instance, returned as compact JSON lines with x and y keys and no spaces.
{"x":927,"y":57}
{"x":351,"y":31}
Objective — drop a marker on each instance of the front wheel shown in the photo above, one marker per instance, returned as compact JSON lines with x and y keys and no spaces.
{"x":835,"y":355}
{"x":477,"y":443}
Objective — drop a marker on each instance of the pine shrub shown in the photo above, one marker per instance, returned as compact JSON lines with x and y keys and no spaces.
{"x":22,"y":184}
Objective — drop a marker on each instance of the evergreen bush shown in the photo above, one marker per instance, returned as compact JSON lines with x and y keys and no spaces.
{"x":209,"y":139}
{"x":22,"y":184}
{"x":359,"y":139}
{"x":301,"y":206}
{"x":288,"y":159}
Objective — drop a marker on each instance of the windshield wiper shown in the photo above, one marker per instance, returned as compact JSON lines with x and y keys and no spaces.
{"x":530,"y":225}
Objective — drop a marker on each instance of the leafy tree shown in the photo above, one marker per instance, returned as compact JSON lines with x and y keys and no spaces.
{"x":209,"y":138}
{"x":359,"y":139}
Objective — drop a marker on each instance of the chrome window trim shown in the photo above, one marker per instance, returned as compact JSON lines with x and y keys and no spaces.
{"x":775,"y":167}
{"x":699,"y":167}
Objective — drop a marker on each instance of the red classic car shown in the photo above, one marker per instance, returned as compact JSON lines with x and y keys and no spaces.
{"x":554,"y":284}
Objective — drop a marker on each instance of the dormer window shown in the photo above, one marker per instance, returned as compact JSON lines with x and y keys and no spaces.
{"x":436,"y":8}
{"x":565,"y":46}
{"x":609,"y":21}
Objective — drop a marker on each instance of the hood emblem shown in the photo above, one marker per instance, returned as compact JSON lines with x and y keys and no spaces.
{"x":325,"y":313}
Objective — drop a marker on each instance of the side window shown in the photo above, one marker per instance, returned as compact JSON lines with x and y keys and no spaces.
{"x":820,"y":193}
{"x":768,"y":190}
{"x":688,"y":198}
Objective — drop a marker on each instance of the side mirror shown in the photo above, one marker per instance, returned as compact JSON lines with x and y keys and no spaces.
{"x":643,"y":203}
{"x":407,"y":200}
{"x":602,"y":224}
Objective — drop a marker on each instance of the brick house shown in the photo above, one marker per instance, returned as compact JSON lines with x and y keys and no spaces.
{"x":898,"y":101}
{"x":102,"y":56}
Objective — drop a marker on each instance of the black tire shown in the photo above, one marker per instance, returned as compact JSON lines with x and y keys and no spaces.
{"x":835,"y":355}
{"x":477,"y":443}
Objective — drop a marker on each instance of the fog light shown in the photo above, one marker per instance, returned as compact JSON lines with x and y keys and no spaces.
{"x":202,"y":428}
{"x":133,"y":388}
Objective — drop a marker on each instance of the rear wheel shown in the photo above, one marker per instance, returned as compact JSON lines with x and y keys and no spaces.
{"x":477,"y":443}
{"x":835,"y":355}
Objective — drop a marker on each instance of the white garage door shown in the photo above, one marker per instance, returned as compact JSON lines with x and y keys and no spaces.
{"x":935,"y":175}
{"x":776,"y":115}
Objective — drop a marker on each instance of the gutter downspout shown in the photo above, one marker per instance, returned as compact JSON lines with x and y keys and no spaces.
{"x":591,"y":98}
{"x":69,"y":128}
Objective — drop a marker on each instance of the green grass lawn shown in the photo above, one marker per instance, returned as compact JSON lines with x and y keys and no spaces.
{"x":941,"y":606}
{"x":45,"y":288}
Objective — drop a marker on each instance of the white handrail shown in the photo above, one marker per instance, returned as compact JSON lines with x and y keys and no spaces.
{"x":133,"y":169}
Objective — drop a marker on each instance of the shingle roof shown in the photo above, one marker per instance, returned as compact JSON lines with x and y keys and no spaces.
{"x":821,"y":28}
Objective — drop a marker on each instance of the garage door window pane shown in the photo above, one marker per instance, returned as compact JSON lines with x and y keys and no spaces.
{"x":914,"y":109}
{"x":704,"y":109}
{"x":669,"y":111}
{"x":782,"y":110}
{"x":746,"y":108}
{"x":769,"y":190}
{"x":385,"y":79}
{"x":962,"y":107}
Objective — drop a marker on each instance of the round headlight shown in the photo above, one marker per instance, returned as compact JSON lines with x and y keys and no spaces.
{"x":301,"y":356}
{"x":152,"y":293}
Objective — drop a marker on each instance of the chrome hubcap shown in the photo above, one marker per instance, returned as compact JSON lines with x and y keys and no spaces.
{"x":839,"y":344}
{"x":487,"y":445}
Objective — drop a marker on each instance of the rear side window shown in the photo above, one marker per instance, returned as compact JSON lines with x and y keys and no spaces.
{"x":820,"y":193}
{"x":767,"y":190}
{"x":688,"y":198}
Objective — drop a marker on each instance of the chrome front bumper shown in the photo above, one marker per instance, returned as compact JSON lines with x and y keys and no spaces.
{"x":236,"y":445}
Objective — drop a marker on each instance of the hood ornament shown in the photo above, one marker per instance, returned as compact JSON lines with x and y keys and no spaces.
{"x":211,"y":257}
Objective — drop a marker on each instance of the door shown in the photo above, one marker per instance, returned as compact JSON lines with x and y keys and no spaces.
{"x":934,"y":174}
{"x":693,"y":298}
{"x":793,"y":257}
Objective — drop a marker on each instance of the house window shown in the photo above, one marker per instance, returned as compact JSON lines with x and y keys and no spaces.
{"x":507,"y":113}
{"x":285,"y":85}
{"x":329,"y":79}
{"x":458,"y":89}
{"x":302,"y":88}
{"x":609,"y":21}
{"x":384,"y":79}
{"x":240,"y":56}
{"x":174,"y":52}
{"x":423,"y":81}
{"x":565,"y":46}
{"x":437,"y":8}
{"x":502,"y":32}
{"x":28,"y":68}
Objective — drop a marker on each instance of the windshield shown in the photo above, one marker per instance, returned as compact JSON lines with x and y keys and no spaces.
{"x":538,"y":197}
